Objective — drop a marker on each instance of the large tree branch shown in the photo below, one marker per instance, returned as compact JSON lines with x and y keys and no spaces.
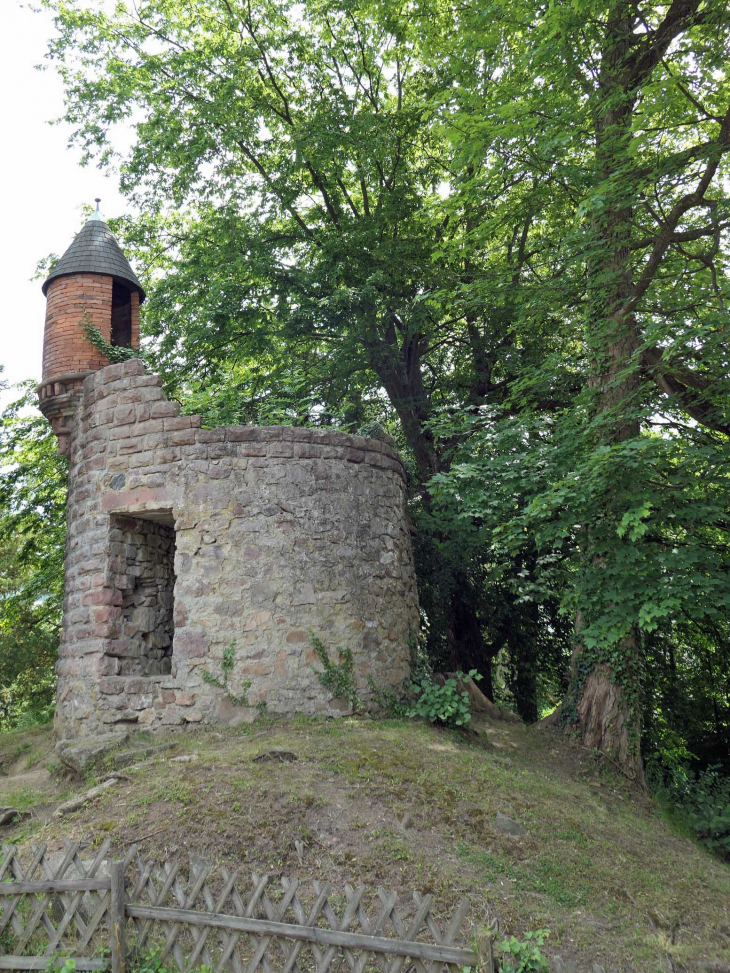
{"x":681,"y":15}
{"x":684,"y":236}
{"x":682,"y":206}
{"x":686,"y":387}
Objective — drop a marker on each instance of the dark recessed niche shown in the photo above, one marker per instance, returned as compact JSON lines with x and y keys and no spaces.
{"x":142,"y":555}
{"x":121,"y":331}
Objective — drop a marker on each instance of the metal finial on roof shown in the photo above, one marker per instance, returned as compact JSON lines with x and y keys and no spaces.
{"x":97,"y":214}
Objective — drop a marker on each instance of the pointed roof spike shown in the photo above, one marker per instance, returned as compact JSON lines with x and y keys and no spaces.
{"x":95,"y":251}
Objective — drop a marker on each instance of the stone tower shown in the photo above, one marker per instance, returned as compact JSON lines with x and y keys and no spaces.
{"x":92,"y":279}
{"x":200,"y":562}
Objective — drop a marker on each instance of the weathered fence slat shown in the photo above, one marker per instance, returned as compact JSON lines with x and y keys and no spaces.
{"x":41,"y":963}
{"x":9,"y":912}
{"x":229,"y":954}
{"x":67,"y":885}
{"x":278,"y":925}
{"x":400,"y":929}
{"x":76,"y":907}
{"x":117,"y":920}
{"x":310,"y":934}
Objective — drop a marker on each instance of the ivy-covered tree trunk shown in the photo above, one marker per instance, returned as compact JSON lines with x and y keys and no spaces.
{"x":605,"y":687}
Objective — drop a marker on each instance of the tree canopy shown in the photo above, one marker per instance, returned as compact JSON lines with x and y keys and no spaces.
{"x":499,"y":230}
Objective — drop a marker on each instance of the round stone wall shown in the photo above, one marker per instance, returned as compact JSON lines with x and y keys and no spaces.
{"x":200,"y":563}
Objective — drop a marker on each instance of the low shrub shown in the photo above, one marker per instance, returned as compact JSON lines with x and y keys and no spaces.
{"x":700,"y":802}
{"x":524,"y":956}
{"x":445,"y":704}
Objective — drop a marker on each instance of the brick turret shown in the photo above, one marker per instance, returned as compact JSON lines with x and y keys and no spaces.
{"x":94,"y":278}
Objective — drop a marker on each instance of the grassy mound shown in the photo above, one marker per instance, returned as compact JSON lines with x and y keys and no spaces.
{"x":409,"y":806}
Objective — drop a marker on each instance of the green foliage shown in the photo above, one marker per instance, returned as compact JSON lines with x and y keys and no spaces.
{"x":32,"y":541}
{"x":113,"y":353}
{"x":524,"y":956}
{"x":445,"y":704}
{"x":149,"y":962}
{"x":710,"y":817}
{"x":538,"y":495}
{"x":227,"y":663}
{"x":337,"y":677}
{"x":355,"y":213}
{"x":61,"y":964}
{"x":389,"y":703}
{"x":698,"y":802}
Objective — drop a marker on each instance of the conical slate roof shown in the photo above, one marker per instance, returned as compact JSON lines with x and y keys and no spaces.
{"x":95,"y":251}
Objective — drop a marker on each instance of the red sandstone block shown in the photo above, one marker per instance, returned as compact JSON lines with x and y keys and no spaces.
{"x":333,"y":438}
{"x":143,"y":459}
{"x":106,"y":614}
{"x":295,"y":434}
{"x":136,"y":395}
{"x":150,"y":426}
{"x":281,"y":450}
{"x":112,"y":685}
{"x":144,"y":381}
{"x":240,"y":434}
{"x":211,"y":435}
{"x":307,"y":451}
{"x":133,"y":367}
{"x":124,"y":413}
{"x":177,"y":422}
{"x":164,"y":456}
{"x":164,"y":410}
{"x":185,"y":437}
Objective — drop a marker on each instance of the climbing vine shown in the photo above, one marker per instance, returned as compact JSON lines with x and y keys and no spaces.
{"x":338,"y":677}
{"x":114,"y":353}
{"x":226,"y":668}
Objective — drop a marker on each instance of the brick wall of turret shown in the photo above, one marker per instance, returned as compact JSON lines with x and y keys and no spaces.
{"x":66,"y":350}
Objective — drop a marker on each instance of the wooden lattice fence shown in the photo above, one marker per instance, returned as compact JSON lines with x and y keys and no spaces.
{"x":104,"y":913}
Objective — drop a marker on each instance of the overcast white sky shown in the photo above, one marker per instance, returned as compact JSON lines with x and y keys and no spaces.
{"x":42,"y":186}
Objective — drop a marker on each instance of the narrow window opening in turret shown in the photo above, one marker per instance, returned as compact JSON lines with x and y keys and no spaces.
{"x":121,"y":333}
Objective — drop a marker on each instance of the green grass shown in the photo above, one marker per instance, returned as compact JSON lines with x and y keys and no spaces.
{"x":599,"y":865}
{"x":24,"y":799}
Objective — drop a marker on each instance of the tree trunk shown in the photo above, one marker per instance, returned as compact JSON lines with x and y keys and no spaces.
{"x":524,"y":681}
{"x":467,"y":648}
{"x":607,"y":723}
{"x":606,"y":719}
{"x":399,"y":369}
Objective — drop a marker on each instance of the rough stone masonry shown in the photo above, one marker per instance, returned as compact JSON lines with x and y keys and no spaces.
{"x":199,"y":560}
